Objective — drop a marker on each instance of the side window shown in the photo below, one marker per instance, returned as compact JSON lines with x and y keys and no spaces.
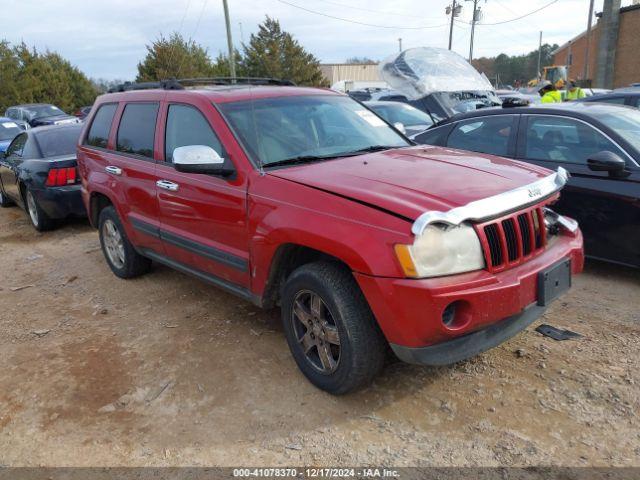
{"x":11,"y":113}
{"x":635,"y":101}
{"x":561,"y":139}
{"x":187,"y":126}
{"x":485,"y":135}
{"x":137,"y":128}
{"x":16,"y":147}
{"x":613,"y":100}
{"x":98,"y":135}
{"x":434,"y":136}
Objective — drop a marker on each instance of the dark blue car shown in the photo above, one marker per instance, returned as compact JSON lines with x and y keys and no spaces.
{"x":8,"y":131}
{"x":38,"y":172}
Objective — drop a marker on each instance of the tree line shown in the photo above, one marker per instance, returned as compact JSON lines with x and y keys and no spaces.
{"x":271,"y":52}
{"x":29,"y":76}
{"x":507,"y":70}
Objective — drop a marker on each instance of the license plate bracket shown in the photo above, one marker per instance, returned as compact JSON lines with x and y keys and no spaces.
{"x":553,"y":282}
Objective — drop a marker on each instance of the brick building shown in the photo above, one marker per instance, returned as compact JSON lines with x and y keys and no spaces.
{"x":626,"y":69}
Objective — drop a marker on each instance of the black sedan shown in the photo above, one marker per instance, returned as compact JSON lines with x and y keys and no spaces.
{"x":39,"y":173}
{"x":621,"y":96}
{"x":598,"y":144}
{"x":40,"y":114}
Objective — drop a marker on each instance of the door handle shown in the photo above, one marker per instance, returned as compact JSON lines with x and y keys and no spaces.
{"x":113,"y":170}
{"x":167,"y":185}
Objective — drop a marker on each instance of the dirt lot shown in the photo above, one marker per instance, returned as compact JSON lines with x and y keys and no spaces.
{"x":165,"y":370}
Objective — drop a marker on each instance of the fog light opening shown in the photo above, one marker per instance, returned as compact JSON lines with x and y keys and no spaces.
{"x":456,"y":315}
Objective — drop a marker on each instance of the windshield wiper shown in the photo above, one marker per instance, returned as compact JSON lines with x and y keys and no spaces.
{"x":299,"y":160}
{"x":372,"y":148}
{"x":314,"y":158}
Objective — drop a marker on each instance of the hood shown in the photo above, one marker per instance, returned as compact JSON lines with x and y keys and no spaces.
{"x":53,"y":119}
{"x":413,"y":180}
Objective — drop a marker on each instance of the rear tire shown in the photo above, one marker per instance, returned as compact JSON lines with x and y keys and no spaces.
{"x":121,"y":257}
{"x":331,"y":331}
{"x":4,"y":200}
{"x":39,"y":219}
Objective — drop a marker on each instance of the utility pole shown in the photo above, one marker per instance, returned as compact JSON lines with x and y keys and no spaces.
{"x":585,"y":74}
{"x":232,"y":62}
{"x":400,"y":45}
{"x":474,"y":18}
{"x":539,"y":56}
{"x":454,"y":9}
{"x":607,"y":44}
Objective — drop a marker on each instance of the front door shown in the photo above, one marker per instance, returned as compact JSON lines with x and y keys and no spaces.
{"x":202,"y":217}
{"x":9,"y":167}
{"x":605,"y":206}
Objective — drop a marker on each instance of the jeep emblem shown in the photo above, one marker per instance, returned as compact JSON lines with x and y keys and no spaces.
{"x":534,"y":192}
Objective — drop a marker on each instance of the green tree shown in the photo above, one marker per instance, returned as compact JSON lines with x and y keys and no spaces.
{"x":273,"y":52}
{"x":360,"y":61}
{"x":221,"y":64}
{"x":175,"y":57}
{"x":28,"y":76}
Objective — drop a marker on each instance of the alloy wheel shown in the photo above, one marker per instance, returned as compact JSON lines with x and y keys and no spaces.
{"x":316,"y":331}
{"x":33,"y":209}
{"x":113,"y":244}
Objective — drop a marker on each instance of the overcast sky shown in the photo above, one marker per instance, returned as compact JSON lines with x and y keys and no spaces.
{"x":106,"y":39}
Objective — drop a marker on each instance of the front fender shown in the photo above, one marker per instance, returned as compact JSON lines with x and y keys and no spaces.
{"x":282,"y":212}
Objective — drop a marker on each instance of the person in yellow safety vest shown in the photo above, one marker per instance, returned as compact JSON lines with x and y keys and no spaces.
{"x":574,"y":92}
{"x":549,"y":93}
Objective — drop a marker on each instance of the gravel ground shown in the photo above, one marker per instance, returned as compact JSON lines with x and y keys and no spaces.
{"x":165,"y":370}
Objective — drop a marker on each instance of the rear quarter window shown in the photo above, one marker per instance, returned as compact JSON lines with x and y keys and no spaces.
{"x":58,"y":142}
{"x":136,"y":132}
{"x":98,"y":135}
{"x":434,"y":136}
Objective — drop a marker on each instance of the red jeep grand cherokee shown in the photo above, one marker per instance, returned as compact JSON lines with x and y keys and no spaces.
{"x":305,"y":199}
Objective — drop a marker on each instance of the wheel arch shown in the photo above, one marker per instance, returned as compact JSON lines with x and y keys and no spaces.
{"x":287,"y":258}
{"x":98,"y":201}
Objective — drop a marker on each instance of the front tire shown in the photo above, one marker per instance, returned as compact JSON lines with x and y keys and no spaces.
{"x":331,"y":331}
{"x":39,"y":219}
{"x":121,"y":257}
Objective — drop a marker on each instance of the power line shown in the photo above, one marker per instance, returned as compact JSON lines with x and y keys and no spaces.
{"x":360,"y":23}
{"x":370,"y":10}
{"x":522,"y":16}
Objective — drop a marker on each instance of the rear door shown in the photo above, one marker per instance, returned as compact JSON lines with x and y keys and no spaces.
{"x":119,"y":152}
{"x":606,"y":207}
{"x":493,"y":134}
{"x":203,"y":217}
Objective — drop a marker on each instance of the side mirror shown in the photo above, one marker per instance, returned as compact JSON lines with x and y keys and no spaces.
{"x":400,"y":127}
{"x":199,"y":159}
{"x":606,"y":162}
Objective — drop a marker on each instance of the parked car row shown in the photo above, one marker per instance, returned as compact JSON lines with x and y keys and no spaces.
{"x":308,"y":200}
{"x":598,"y":144}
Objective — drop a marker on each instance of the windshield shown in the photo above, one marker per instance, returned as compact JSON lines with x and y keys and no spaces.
{"x":461,"y":102}
{"x":8,"y":130}
{"x":625,"y":122}
{"x":403,"y":113}
{"x":58,"y":141}
{"x":282,"y":128}
{"x":40,"y":111}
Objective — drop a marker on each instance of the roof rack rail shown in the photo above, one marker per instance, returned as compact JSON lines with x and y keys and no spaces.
{"x":173,"y":84}
{"x":236,"y":81}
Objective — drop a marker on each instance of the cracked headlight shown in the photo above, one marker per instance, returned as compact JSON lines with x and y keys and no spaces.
{"x":442,"y":251}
